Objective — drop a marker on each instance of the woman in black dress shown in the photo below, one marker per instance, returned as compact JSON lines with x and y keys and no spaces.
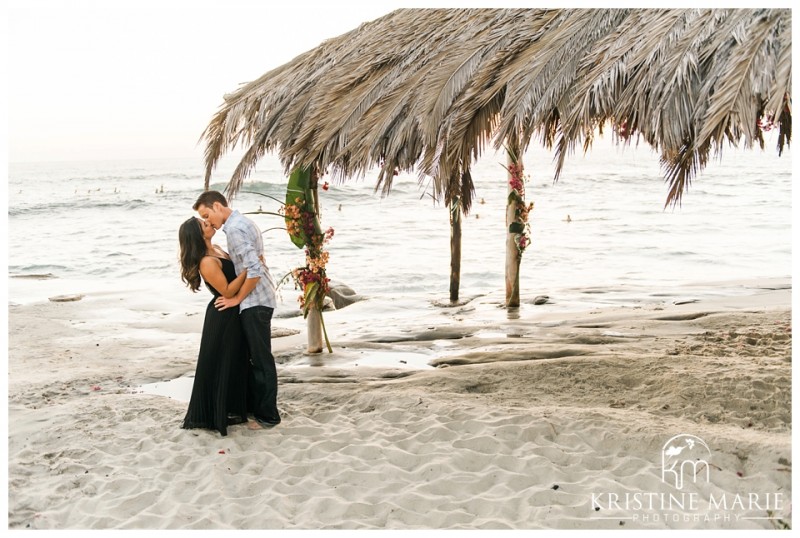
{"x":219,"y":393}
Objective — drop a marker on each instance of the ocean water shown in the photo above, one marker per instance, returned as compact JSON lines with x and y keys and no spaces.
{"x":600,"y":234}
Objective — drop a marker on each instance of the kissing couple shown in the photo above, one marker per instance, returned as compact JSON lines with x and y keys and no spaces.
{"x":236,"y":374}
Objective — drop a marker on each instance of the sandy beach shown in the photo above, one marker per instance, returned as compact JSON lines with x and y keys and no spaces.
{"x":632,"y":166}
{"x":557,"y":419}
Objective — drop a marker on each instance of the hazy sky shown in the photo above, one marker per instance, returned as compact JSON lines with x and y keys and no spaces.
{"x":142,"y":78}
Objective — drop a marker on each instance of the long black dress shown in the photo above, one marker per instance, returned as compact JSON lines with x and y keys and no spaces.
{"x":219,"y":393}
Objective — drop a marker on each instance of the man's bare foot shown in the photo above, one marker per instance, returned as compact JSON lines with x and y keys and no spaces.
{"x":254,"y":425}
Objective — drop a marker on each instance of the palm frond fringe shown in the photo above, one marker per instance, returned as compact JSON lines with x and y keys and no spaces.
{"x":428,"y":90}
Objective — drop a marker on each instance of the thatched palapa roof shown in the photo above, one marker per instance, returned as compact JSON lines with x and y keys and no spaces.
{"x":428,"y":89}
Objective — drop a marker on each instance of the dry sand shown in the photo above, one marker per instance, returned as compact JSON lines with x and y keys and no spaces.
{"x":539,"y":422}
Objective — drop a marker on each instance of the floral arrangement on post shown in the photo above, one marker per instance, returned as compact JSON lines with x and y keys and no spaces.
{"x":520,"y":226}
{"x":311,"y":278}
{"x":302,"y":224}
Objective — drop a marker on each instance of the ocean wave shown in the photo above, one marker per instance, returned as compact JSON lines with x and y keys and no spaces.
{"x":35,"y":271}
{"x":34,"y":276}
{"x":159,"y":176}
{"x":133,"y":271}
{"x":255,"y":188}
{"x":72,"y":205}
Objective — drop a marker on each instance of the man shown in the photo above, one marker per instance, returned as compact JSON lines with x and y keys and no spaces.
{"x":255,"y":299}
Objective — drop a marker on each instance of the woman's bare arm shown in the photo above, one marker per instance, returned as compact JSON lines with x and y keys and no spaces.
{"x":211,"y":271}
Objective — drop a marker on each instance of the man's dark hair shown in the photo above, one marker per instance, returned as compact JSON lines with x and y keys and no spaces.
{"x":208,"y":198}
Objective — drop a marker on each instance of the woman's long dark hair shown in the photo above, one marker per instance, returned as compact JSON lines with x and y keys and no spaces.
{"x":193,"y":248}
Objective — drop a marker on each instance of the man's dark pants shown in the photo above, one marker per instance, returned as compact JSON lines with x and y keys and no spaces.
{"x":262,"y":383}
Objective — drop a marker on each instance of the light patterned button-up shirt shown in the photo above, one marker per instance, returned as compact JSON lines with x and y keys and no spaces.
{"x":245,"y":247}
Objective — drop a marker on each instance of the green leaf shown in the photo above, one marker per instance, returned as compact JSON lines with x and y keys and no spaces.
{"x":516,"y":228}
{"x":325,"y":332}
{"x":310,"y":295}
{"x":299,"y":187}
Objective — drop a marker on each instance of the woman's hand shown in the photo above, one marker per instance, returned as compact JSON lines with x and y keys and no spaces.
{"x":223,"y":303}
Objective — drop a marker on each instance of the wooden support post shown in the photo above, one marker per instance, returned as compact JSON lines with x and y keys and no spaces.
{"x":314,"y":319}
{"x":455,"y":248}
{"x":314,"y":328}
{"x":513,"y":257}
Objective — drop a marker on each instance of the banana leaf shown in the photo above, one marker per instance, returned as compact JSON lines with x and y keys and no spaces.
{"x":516,"y":228}
{"x":310,"y":297}
{"x":299,"y":187}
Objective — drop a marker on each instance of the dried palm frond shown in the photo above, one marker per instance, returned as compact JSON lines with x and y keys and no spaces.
{"x":429,"y":89}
